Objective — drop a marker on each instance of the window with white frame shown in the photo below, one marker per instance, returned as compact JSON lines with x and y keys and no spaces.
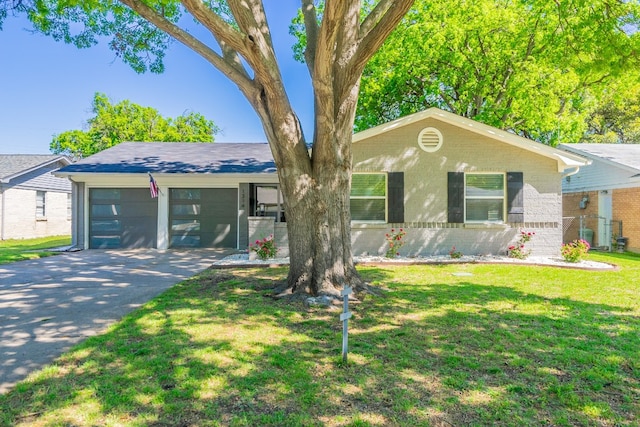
{"x":41,"y":199}
{"x":369,"y":197}
{"x":484,"y":197}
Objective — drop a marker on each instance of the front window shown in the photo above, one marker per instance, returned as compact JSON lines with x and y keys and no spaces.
{"x":41,"y":198}
{"x":484,"y":197}
{"x":369,"y":197}
{"x":267,"y":201}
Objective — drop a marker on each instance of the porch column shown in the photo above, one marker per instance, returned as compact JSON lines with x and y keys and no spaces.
{"x":163,"y":218}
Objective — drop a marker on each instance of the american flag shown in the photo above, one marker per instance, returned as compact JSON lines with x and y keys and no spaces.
{"x":153,"y":187}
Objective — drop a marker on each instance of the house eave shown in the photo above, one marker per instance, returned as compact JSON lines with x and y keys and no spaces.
{"x":138,"y":178}
{"x":8,"y":178}
{"x":635,"y":172}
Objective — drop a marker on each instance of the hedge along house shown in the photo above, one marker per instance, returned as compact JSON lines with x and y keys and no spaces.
{"x":447,"y":180}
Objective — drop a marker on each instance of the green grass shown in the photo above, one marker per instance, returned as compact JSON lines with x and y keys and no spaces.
{"x":507,"y":346}
{"x":22,"y":249}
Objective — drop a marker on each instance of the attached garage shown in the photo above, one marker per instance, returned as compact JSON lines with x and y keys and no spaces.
{"x":203,"y":217}
{"x":198,"y":217}
{"x":204,"y":197}
{"x":122,"y":218}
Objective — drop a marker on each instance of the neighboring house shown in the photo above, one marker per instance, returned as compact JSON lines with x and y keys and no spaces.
{"x":33,"y":202}
{"x":447,"y":180}
{"x":602,"y":200}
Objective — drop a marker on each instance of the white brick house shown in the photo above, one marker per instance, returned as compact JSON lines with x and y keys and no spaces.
{"x":33,"y":202}
{"x":464,"y":184}
{"x":448,"y":181}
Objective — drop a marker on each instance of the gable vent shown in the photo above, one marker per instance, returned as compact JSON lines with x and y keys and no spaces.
{"x":430,"y":139}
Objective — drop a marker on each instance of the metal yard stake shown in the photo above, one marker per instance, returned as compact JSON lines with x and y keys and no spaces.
{"x":344,"y":317}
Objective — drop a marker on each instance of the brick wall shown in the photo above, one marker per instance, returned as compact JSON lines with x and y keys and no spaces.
{"x":20,"y":220}
{"x":259,"y":228}
{"x":438,"y":239}
{"x":425,"y":194}
{"x":626,"y":208}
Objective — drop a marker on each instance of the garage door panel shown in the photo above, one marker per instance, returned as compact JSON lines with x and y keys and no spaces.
{"x":139,"y":233}
{"x":122,"y":218}
{"x":185,"y":241}
{"x":138,"y":210}
{"x":223,"y":235}
{"x":205,"y":217}
{"x":104,"y":242}
{"x":132,"y":238}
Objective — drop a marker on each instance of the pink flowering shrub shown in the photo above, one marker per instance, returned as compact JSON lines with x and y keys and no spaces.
{"x":395,"y":242}
{"x":518,"y":249}
{"x":455,"y":254}
{"x":265,"y":248}
{"x":575,"y":251}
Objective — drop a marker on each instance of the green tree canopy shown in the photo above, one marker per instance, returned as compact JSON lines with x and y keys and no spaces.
{"x":531,"y":67}
{"x":112,"y":124}
{"x":616,"y":116}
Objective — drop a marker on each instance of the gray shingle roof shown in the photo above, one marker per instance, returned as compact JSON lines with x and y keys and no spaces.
{"x":178,"y":157}
{"x":624,"y":154}
{"x":15,"y":164}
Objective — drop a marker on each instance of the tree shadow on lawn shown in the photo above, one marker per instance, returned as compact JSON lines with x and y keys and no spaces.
{"x":216,"y":350}
{"x":498,"y":356}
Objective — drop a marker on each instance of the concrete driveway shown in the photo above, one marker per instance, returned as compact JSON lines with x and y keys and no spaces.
{"x":48,"y":305}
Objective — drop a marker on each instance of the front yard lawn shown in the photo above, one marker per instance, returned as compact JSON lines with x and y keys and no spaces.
{"x":454,"y":345}
{"x":19,"y":250}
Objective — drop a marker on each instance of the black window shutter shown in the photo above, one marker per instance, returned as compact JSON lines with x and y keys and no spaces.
{"x":455,"y":193}
{"x":395,"y":196}
{"x":515,"y":197}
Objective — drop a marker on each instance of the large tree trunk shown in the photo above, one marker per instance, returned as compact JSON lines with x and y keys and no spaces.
{"x":319,"y":223}
{"x":317,"y":203}
{"x":320,"y":232}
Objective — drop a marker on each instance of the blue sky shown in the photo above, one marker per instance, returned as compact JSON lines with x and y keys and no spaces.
{"x":48,"y":87}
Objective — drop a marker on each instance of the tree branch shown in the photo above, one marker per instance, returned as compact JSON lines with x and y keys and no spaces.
{"x":311,"y":29}
{"x":220,"y":29}
{"x":278,"y":116}
{"x":328,"y":36}
{"x":387,"y":15}
{"x":236,"y":74}
{"x":257,"y":46}
{"x":375,"y":15}
{"x":231,"y":41}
